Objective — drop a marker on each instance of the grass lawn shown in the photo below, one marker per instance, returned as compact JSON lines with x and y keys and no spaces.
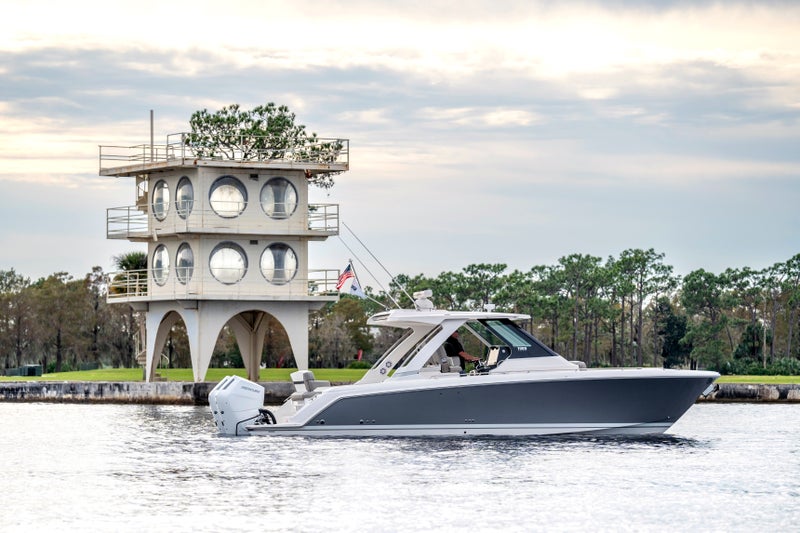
{"x":185,"y":374}
{"x":282,"y":374}
{"x":769,"y":380}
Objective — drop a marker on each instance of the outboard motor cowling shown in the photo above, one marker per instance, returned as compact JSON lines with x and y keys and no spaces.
{"x":235,"y":402}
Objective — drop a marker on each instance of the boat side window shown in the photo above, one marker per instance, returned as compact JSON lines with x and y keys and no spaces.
{"x":406,"y":333}
{"x":409,"y":355}
{"x":483,"y":334}
{"x":522,"y":343}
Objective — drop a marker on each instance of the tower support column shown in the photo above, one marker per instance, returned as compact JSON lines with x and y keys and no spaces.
{"x":250,"y":330}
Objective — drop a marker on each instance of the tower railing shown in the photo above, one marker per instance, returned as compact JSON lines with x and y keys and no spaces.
{"x":233,"y":148}
{"x":126,"y":222}
{"x":130,"y":222}
{"x":195,"y":283}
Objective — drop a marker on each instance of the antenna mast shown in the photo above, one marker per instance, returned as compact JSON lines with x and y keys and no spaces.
{"x":381,"y":265}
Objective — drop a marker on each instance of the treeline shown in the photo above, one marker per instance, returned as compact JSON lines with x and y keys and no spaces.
{"x":630,"y":310}
{"x":62,"y":323}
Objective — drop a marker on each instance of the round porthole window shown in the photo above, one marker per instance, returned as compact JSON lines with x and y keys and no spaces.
{"x":160,"y":264}
{"x":184,"y":197}
{"x":228,"y":263}
{"x":278,"y":198}
{"x":184,"y":263}
{"x":160,"y":202}
{"x":228,"y":197}
{"x":278,"y":263}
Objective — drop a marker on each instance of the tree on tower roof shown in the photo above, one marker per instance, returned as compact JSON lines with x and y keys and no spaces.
{"x":267,"y":132}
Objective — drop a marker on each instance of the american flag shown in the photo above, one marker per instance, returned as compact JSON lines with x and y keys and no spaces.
{"x":346,"y":274}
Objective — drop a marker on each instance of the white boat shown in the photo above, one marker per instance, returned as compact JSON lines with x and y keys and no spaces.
{"x":521,"y":388}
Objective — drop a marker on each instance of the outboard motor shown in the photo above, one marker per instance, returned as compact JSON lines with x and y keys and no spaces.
{"x":235,"y":402}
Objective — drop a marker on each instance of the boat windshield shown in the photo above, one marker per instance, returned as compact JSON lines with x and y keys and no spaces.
{"x":504,"y":332}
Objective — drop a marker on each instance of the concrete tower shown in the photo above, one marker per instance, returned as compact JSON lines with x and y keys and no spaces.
{"x":227,"y":243}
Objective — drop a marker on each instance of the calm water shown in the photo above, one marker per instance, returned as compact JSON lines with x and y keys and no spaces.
{"x":154,"y":468}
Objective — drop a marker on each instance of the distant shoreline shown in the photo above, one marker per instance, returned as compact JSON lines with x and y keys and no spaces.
{"x":190,"y":393}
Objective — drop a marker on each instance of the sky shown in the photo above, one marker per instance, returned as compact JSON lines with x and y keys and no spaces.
{"x":480,"y":131}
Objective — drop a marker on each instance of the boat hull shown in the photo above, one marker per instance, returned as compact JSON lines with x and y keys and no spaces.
{"x":602,"y":402}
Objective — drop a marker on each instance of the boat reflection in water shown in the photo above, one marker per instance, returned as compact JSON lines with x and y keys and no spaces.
{"x":414,"y":389}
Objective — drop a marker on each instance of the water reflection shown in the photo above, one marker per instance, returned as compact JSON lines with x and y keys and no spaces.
{"x":164,"y":468}
{"x":543,"y":444}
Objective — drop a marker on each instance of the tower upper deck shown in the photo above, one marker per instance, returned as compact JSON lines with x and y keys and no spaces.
{"x":321,"y":157}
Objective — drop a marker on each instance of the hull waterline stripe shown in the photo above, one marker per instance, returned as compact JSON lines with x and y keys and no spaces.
{"x":470,"y":429}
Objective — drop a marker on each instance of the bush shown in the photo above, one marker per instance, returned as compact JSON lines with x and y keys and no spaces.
{"x":360,"y":364}
{"x":750,"y":367}
{"x":65,"y":367}
{"x":786,"y":367}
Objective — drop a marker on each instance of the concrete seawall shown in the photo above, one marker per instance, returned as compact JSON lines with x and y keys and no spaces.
{"x":749,"y":392}
{"x":164,"y":392}
{"x":186,"y":393}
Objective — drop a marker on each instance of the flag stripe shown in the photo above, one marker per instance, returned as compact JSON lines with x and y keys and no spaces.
{"x":346,"y":274}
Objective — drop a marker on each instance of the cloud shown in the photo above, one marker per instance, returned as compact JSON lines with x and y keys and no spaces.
{"x":371,"y":116}
{"x":462,"y":116}
{"x":511,"y":134}
{"x":532,"y":38}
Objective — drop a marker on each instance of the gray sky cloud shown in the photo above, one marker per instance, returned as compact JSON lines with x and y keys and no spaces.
{"x":512,"y":136}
